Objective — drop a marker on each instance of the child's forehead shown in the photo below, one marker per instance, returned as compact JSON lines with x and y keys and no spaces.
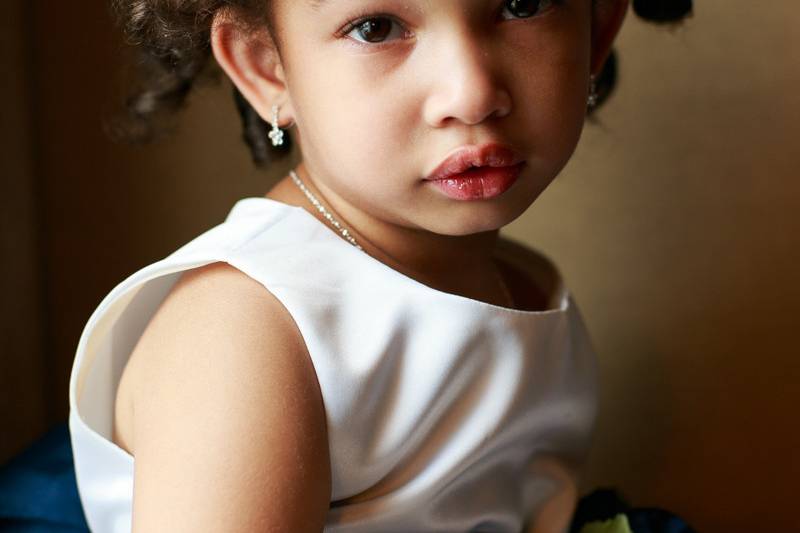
{"x":320,"y":5}
{"x":420,"y":7}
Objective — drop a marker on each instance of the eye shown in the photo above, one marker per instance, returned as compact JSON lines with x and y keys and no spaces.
{"x":527,"y":8}
{"x":373,"y":29}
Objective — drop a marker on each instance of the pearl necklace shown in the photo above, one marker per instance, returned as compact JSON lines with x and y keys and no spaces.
{"x":347,"y":235}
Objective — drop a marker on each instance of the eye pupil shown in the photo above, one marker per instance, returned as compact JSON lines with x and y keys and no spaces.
{"x":375,"y":30}
{"x":523,"y":8}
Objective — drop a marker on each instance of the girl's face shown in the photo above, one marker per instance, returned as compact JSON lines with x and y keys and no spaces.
{"x":378,"y":106}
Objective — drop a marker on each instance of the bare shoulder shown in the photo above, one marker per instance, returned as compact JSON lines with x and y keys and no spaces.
{"x":228,"y":423}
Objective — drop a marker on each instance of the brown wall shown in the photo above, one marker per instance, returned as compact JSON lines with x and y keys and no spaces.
{"x":24,"y":380}
{"x":675,"y":225}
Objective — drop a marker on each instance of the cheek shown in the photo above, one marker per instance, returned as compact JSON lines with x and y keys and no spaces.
{"x":551,"y":94}
{"x":357,"y":115}
{"x":561,"y":114}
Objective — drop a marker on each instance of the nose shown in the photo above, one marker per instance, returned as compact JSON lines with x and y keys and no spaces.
{"x":466,"y":84}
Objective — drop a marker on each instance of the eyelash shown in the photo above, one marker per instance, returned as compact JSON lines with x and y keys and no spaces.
{"x":361,"y":19}
{"x":366,"y":16}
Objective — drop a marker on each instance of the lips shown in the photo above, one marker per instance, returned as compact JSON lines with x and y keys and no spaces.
{"x":479,"y":184}
{"x":471,"y":157}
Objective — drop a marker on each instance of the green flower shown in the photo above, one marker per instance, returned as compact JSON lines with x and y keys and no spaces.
{"x":618,"y":524}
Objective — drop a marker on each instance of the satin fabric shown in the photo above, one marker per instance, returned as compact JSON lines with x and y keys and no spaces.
{"x":444,"y":413}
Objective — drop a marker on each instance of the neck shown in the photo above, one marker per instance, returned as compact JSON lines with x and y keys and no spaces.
{"x":446,"y":262}
{"x":442,"y":261}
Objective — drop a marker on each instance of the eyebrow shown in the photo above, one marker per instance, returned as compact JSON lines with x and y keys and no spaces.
{"x":317,"y":4}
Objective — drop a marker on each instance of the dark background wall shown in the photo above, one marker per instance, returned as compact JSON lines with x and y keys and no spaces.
{"x":675,"y":225}
{"x":24,"y":373}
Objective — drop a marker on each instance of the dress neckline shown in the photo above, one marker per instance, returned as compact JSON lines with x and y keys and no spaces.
{"x":505,"y":248}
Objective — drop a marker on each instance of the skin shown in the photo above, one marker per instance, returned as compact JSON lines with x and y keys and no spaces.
{"x":373,"y":119}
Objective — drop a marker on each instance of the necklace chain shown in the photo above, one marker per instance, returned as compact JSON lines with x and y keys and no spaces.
{"x":335,"y":223}
{"x":347,"y":235}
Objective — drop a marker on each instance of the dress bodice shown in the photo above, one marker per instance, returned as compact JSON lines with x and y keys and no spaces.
{"x":444,"y":413}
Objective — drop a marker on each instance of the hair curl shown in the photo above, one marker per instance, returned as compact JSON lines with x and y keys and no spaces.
{"x":172,"y":38}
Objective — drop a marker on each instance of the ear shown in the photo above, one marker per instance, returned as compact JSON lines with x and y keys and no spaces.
{"x":249,"y":57}
{"x":606,"y":23}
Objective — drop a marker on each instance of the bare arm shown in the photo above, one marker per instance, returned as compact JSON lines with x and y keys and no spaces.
{"x":229,"y":425}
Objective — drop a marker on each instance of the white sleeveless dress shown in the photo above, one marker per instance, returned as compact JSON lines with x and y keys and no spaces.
{"x":460,"y":414}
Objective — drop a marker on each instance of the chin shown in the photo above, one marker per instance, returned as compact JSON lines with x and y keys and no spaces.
{"x":479,"y":221}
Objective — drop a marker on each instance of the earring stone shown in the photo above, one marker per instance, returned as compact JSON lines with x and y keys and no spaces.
{"x":592,"y":100}
{"x":276,"y":134}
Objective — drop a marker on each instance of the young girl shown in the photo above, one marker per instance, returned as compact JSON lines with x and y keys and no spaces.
{"x":357,"y":350}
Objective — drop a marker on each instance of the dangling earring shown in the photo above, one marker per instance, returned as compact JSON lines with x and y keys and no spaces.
{"x":592,"y":100}
{"x":276,"y":134}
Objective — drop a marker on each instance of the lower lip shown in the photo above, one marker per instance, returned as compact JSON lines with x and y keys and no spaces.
{"x":479,"y":183}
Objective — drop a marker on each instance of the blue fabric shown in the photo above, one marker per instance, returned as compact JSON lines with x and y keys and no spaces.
{"x":38,"y":491}
{"x":604,"y":503}
{"x":38,"y":494}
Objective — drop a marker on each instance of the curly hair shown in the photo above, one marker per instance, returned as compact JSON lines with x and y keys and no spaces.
{"x":173,"y":43}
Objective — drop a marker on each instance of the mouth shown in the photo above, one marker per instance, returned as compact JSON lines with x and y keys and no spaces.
{"x":477,"y":172}
{"x":465,"y":157}
{"x":479,"y":183}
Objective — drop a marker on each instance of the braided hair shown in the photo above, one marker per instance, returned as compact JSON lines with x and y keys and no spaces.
{"x":173,"y":44}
